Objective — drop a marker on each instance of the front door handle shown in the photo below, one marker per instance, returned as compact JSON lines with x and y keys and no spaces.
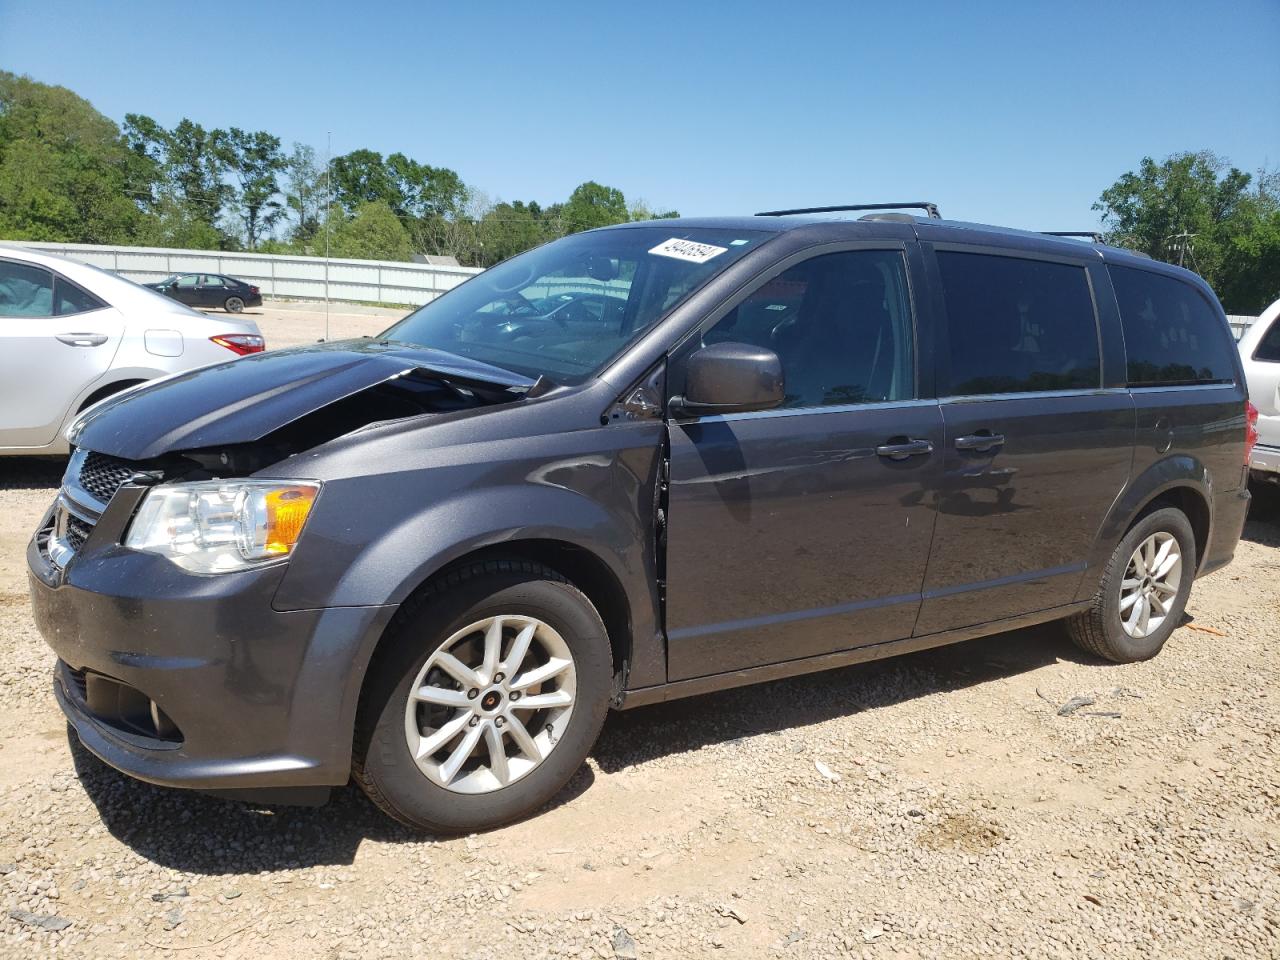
{"x":83,"y":339}
{"x":981,"y":442}
{"x":904,"y":449}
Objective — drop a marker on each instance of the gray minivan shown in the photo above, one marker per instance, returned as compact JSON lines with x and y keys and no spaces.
{"x":432,"y":560}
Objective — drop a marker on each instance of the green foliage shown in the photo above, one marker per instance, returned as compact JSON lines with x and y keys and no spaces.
{"x":594,"y":205}
{"x":1233,"y":217}
{"x":66,"y":174}
{"x":304,"y":192}
{"x":256,"y":160}
{"x":373,"y":232}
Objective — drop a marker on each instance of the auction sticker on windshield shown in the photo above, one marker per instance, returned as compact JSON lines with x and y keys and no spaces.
{"x":687,"y":250}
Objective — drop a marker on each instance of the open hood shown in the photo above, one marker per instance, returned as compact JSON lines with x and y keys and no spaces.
{"x":247,"y":399}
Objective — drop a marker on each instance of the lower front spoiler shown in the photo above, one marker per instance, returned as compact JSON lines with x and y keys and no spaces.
{"x":251,"y":778}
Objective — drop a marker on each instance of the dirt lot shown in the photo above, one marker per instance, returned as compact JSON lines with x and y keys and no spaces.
{"x":955,"y":812}
{"x":288,"y":323}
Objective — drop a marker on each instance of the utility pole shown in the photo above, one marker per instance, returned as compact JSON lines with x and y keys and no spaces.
{"x":1184,"y":247}
{"x":328,"y":194}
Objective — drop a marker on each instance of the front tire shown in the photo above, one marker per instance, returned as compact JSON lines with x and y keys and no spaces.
{"x":484,"y":699}
{"x":1143,"y":592}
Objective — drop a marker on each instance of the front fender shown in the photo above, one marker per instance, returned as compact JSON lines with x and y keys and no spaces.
{"x":391,"y":564}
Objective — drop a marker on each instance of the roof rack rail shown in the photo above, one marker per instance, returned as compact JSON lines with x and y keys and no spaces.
{"x":930,"y":208}
{"x":1093,"y":235}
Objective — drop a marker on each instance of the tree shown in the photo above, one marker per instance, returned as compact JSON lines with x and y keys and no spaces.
{"x":304,"y":191}
{"x":360,"y":177}
{"x":66,"y":173}
{"x":373,"y":232}
{"x":1197,"y":209}
{"x":255,"y":160}
{"x":424,"y":190}
{"x":508,"y":229}
{"x":594,"y":205}
{"x":196,"y":166}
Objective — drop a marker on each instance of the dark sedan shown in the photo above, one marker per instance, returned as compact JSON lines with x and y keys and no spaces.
{"x":209,"y":290}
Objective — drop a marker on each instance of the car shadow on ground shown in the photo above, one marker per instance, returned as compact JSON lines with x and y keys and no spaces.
{"x":203,"y":834}
{"x":31,"y":473}
{"x":199,"y":833}
{"x":1263,"y":525}
{"x":635,"y":736}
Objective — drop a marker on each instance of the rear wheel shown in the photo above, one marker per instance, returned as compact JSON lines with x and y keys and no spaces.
{"x":491,"y":691}
{"x":1143,"y":592}
{"x":234,"y":305}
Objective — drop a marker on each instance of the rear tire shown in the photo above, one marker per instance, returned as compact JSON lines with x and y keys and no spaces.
{"x":1149,"y":573}
{"x":234,"y":305}
{"x":417,"y":717}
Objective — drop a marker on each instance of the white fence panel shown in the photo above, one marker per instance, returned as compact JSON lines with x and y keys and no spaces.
{"x":374,"y":281}
{"x":1239,"y":324}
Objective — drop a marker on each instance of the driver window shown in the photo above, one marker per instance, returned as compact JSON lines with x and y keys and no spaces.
{"x":187,"y":281}
{"x":840,"y":324}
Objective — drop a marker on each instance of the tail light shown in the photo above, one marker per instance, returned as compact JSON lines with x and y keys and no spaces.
{"x":254,"y":290}
{"x":240,"y":343}
{"x":1250,"y":430}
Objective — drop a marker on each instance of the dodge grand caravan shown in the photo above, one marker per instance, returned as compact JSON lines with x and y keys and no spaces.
{"x":434,"y":559}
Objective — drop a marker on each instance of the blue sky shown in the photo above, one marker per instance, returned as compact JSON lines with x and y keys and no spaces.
{"x":1010,"y":113}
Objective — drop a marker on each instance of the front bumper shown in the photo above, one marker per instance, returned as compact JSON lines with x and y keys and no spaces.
{"x":259,"y":698}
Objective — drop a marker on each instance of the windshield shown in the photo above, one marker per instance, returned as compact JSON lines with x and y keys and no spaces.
{"x":567,"y":308}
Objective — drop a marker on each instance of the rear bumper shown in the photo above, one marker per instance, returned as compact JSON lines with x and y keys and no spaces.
{"x":1230,"y":509}
{"x":1264,"y":463}
{"x":260,"y":698}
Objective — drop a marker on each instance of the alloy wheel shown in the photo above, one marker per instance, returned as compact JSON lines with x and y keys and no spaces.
{"x":490,"y":704}
{"x":234,"y":304}
{"x":1150,"y":584}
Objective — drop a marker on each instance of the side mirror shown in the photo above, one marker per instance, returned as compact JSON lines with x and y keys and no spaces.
{"x":730,"y":378}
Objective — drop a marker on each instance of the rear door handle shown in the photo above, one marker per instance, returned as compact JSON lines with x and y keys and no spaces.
{"x":904,"y":450}
{"x":982,"y":442}
{"x":83,"y":339}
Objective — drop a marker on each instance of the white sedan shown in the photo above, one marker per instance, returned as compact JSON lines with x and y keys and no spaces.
{"x":72,"y":334}
{"x":1260,"y":351}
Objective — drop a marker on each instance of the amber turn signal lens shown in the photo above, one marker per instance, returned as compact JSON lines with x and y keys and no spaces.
{"x":287,"y":510}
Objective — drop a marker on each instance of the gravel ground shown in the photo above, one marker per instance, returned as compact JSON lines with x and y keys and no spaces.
{"x":936,"y":805}
{"x":288,"y":323}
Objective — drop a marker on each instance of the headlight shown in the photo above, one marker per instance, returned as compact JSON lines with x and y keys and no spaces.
{"x":217,"y":526}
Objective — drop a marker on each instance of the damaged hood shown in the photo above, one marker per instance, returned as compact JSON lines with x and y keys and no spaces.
{"x":246,"y":399}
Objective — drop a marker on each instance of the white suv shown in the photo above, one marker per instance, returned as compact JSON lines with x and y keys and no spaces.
{"x":71,"y":334}
{"x":1260,"y":351}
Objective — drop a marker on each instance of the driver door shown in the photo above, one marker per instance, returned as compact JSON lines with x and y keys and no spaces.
{"x":805,"y":529}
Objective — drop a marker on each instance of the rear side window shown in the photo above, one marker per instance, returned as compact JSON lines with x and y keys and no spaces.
{"x":1269,"y":346}
{"x":1018,"y":325}
{"x":25,"y":290}
{"x":1171,"y":334}
{"x":71,"y":299}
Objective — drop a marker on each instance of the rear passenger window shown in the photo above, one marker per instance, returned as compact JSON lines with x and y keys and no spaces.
{"x":1269,"y":346}
{"x":1018,"y":325}
{"x":25,"y":291}
{"x":1171,"y":334}
{"x":840,"y":324}
{"x":71,"y":299}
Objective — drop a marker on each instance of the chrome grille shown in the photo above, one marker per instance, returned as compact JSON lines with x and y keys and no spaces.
{"x":102,"y":475}
{"x":77,"y":532}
